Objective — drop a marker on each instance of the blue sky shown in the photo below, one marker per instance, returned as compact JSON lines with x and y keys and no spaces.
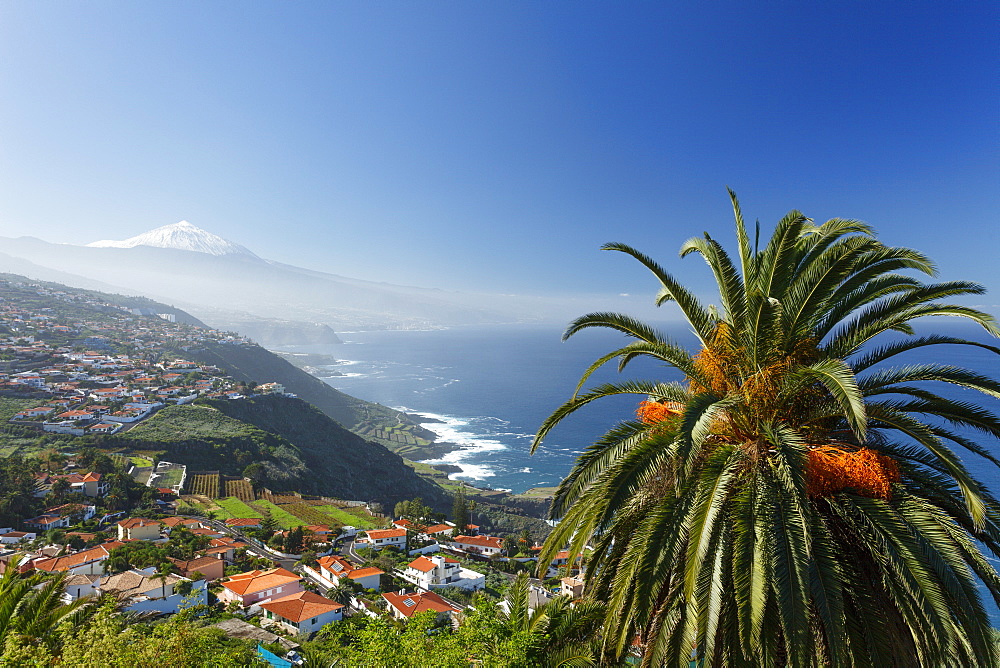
{"x":496,"y":146}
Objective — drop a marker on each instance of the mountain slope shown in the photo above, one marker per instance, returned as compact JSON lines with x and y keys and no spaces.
{"x":180,"y":236}
{"x":244,"y":282}
{"x":286,"y":445}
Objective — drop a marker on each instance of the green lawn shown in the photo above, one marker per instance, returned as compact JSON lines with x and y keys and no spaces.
{"x":237,"y":508}
{"x":285,"y":519}
{"x":346,"y":518}
{"x":141,"y":461}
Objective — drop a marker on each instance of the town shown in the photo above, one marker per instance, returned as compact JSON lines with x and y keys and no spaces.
{"x":95,"y":521}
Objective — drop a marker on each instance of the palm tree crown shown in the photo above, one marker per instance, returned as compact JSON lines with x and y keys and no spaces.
{"x":797,"y":500}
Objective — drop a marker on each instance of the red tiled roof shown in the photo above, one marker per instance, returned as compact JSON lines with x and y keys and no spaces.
{"x":481,"y":541}
{"x":69,"y":561}
{"x":386,"y":533}
{"x":411,"y":604}
{"x":422,"y":564}
{"x":244,"y":521}
{"x":358,"y":573}
{"x":136,"y":522}
{"x":254,"y":581}
{"x":302,"y":606}
{"x":438,"y":528}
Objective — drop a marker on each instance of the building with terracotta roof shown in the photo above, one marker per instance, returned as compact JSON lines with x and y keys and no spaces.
{"x":11,"y":537}
{"x":379,"y":538}
{"x":438,"y":530}
{"x":186,"y":522}
{"x":210,"y":567}
{"x":334,"y":567}
{"x":138,"y":528}
{"x":89,"y":561}
{"x":304,"y":612}
{"x":259,"y":586}
{"x":572,"y":587}
{"x":404,"y":606}
{"x":484,"y":545}
{"x":224,"y":548}
{"x":440,"y":571}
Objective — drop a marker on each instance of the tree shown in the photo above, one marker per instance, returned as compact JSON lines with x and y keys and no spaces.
{"x":796,"y":500}
{"x":293,"y":541}
{"x":559,"y":633}
{"x":60,"y":488}
{"x":510,"y":545}
{"x":32,"y":607}
{"x":460,"y":511}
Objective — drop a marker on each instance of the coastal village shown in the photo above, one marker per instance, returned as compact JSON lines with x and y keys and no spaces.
{"x":275,"y":569}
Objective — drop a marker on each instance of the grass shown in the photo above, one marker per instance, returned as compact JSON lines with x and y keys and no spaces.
{"x":168,"y":477}
{"x":346,"y":518}
{"x":204,"y":506}
{"x":9,"y":406}
{"x":141,"y":461}
{"x":285,"y":519}
{"x":237,"y":508}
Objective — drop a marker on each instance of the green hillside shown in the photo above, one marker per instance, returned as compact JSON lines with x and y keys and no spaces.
{"x":284,"y":444}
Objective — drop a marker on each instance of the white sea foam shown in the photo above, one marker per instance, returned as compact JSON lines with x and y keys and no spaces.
{"x":526,"y":469}
{"x":459,"y":431}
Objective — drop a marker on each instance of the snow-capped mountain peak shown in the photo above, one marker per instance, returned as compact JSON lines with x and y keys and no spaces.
{"x":182,"y":236}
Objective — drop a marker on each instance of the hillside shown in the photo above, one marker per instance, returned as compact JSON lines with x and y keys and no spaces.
{"x":254,"y":363}
{"x":286,"y":445}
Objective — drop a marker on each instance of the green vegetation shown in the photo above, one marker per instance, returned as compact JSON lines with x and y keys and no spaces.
{"x":792,"y":503}
{"x":344,"y":518}
{"x":284,"y":519}
{"x":236,"y":508}
{"x":140,"y":461}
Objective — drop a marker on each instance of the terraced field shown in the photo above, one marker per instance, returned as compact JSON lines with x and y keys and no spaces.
{"x":285,"y":519}
{"x":241,"y":489}
{"x":237,"y":508}
{"x":204,"y":484}
{"x":342,"y":517}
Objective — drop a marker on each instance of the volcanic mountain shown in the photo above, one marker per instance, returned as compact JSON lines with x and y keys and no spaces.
{"x":182,"y":236}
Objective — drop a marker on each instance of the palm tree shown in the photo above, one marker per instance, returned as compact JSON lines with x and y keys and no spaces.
{"x":796,"y":501}
{"x":31,"y":606}
{"x":560,"y":633}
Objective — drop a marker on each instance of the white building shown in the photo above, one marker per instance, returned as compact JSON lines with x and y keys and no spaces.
{"x":304,"y":612}
{"x":379,"y":538}
{"x":439,"y":571}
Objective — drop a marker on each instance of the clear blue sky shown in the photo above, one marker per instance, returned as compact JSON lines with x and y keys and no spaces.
{"x":496,"y":146}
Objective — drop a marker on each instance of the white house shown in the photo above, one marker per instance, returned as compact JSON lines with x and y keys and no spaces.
{"x":304,"y":612}
{"x":484,"y":545}
{"x":333,"y":567}
{"x":11,"y":537}
{"x":379,"y":538}
{"x":439,"y":571}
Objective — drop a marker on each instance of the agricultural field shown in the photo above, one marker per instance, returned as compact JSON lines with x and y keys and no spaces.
{"x":205,"y":484}
{"x":342,"y":517}
{"x":241,"y":489}
{"x":202,"y":505}
{"x":285,"y":519}
{"x":140,"y":461}
{"x":237,"y":508}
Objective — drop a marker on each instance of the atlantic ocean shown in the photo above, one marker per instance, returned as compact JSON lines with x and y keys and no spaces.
{"x":492,"y":387}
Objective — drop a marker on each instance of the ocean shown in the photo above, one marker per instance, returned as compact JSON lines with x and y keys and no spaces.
{"x":492,"y":387}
